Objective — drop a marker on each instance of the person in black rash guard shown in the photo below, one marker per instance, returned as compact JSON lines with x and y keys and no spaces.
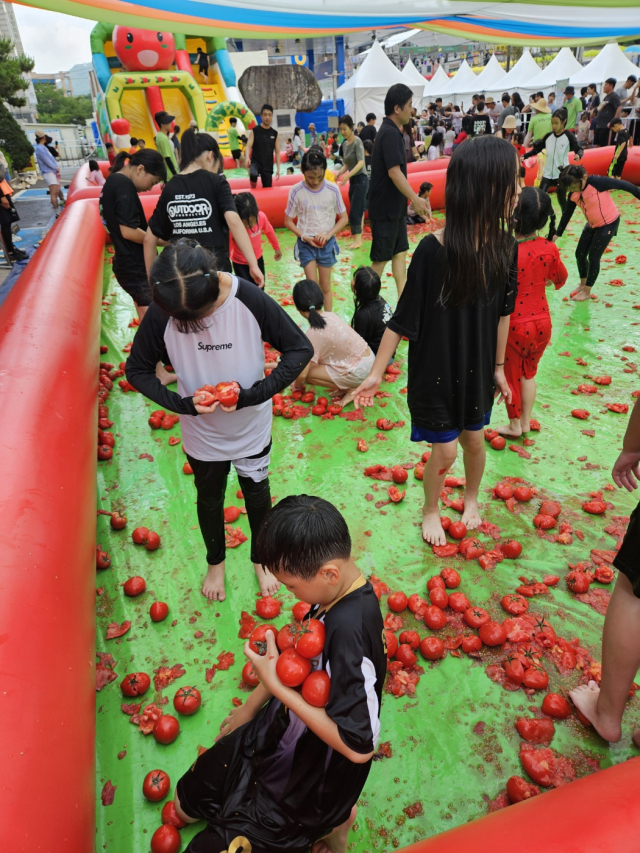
{"x":261,"y":150}
{"x":213,"y":325}
{"x":591,"y":193}
{"x":557,"y":146}
{"x":284,"y":776}
{"x":198,"y":203}
{"x":371,"y":313}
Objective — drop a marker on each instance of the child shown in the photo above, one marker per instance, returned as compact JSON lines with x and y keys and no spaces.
{"x":234,"y":142}
{"x":95,"y":176}
{"x":328,"y":149}
{"x":458,"y":321}
{"x":621,"y":149}
{"x":557,"y":146}
{"x":371,"y":312}
{"x":313,"y":134}
{"x":298,"y":146}
{"x":424,"y":192}
{"x":316,"y":203}
{"x":111,"y":153}
{"x":257,"y":224}
{"x":539,"y":266}
{"x":591,"y":195}
{"x":133,"y":145}
{"x":449,"y":139}
{"x":341,"y":358}
{"x":258,"y":784}
{"x":435,"y":149}
{"x":290,"y":170}
{"x":368,"y":149}
{"x":584,"y":125}
{"x":288,"y":150}
{"x":141,"y":144}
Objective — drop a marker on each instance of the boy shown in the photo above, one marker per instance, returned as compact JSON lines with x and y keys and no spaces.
{"x":234,"y":142}
{"x":262,"y":148}
{"x":282,"y":774}
{"x":622,"y":148}
{"x":424,"y":192}
{"x":163,"y":143}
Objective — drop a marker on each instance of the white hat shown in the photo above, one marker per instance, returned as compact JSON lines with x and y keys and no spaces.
{"x":540,"y":106}
{"x":509,"y":123}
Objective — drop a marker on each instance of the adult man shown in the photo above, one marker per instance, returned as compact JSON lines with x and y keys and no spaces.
{"x":534,"y":100}
{"x":389,"y":188}
{"x":203,"y":65}
{"x":607,"y":111}
{"x":551,"y":102}
{"x":507,"y":109}
{"x":625,"y":92}
{"x":262,"y":147}
{"x":49,"y":168}
{"x":481,"y":122}
{"x":369,"y":130}
{"x":163,"y":143}
{"x":474,"y":105}
{"x":540,"y":124}
{"x":491,"y":109}
{"x":573,"y":106}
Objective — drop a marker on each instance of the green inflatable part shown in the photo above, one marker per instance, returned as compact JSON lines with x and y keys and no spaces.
{"x":229,"y":109}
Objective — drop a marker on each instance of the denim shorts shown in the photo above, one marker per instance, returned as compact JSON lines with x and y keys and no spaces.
{"x":442,"y":436}
{"x":325,"y":256}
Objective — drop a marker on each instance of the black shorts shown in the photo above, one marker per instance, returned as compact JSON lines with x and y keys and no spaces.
{"x":236,"y":154}
{"x":242,"y":270}
{"x":389,"y":238}
{"x":627,"y":559}
{"x":139,"y":291}
{"x":616,"y":171}
{"x":266,"y":175}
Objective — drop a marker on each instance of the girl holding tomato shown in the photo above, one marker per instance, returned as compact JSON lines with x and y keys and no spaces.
{"x":212,"y":325}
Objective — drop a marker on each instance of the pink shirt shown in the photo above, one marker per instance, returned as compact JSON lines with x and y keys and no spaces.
{"x":337,"y":344}
{"x":263,"y":227}
{"x":96,"y":178}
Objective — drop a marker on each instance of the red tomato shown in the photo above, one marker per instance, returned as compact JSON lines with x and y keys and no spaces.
{"x":536,"y":731}
{"x":540,"y":764}
{"x":167,"y":729}
{"x":474,"y":550}
{"x":316,"y":688}
{"x":134,"y":586}
{"x":434,"y":617}
{"x":118,"y":520}
{"x":432,"y":648}
{"x":187,"y":700}
{"x":158,"y":611}
{"x":106,"y":438}
{"x":384,"y":424}
{"x":166,"y":839}
{"x":103,"y":560}
{"x":457,"y":530}
{"x":287,"y":413}
{"x":445,"y":521}
{"x":448,"y":550}
{"x":471,"y":643}
{"x":268,"y":607}
{"x":187,"y":469}
{"x":515,"y":604}
{"x":439,"y":597}
{"x":498,"y":443}
{"x":518,"y":789}
{"x":459,"y":602}
{"x":395,"y":495}
{"x":411,"y":638}
{"x":311,"y":636}
{"x":556,"y":706}
{"x":334,"y":409}
{"x":227,"y":393}
{"x":503,"y":491}
{"x":514,"y":670}
{"x":578,"y":582}
{"x":286,"y":638}
{"x":139,"y":535}
{"x":392,"y":643}
{"x":300,"y":610}
{"x":322,"y":401}
{"x":476,"y":616}
{"x":399,"y":474}
{"x":231,"y":514}
{"x":135,"y":684}
{"x":492,"y":634}
{"x":397,"y":602}
{"x":152,"y":542}
{"x":604,"y":574}
{"x":170,"y":816}
{"x":249,"y":675}
{"x":156,"y":785}
{"x":292,"y":668}
{"x":436,"y":582}
{"x":535,"y":678}
{"x":406,"y":655}
{"x":511,"y":549}
{"x":523,"y":493}
{"x":550,"y":508}
{"x":308,"y":397}
{"x":451,"y":578}
{"x":258,"y":638}
{"x":318,"y":410}
{"x":544,"y":522}
{"x":414,"y":602}
{"x":594,"y":507}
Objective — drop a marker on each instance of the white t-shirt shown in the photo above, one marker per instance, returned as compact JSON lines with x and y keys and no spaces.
{"x":449,"y":137}
{"x":315,"y":210}
{"x":433,"y":153}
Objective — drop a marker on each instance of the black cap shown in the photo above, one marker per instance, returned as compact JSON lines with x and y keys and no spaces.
{"x":569,"y":90}
{"x":163,"y":117}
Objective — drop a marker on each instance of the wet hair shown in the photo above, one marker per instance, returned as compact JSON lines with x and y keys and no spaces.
{"x":346,"y":119}
{"x":425,"y":187}
{"x":246,"y":205}
{"x":532,"y":212}
{"x":397,"y":96}
{"x":572,"y":174}
{"x":93,"y":166}
{"x":193,"y":144}
{"x":185,"y":284}
{"x":307,"y":296}
{"x":561,"y":113}
{"x":371,"y":117}
{"x":480,"y":194}
{"x":133,"y":141}
{"x":300,"y":534}
{"x":313,"y":158}
{"x":152,"y":162}
{"x":366,"y":288}
{"x":266,"y":107}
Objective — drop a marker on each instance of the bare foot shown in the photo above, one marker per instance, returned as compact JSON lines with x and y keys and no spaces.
{"x":348,"y":397}
{"x":357,"y":244}
{"x":164,"y":376}
{"x":525,"y":426}
{"x":471,"y":515}
{"x":586,"y":698}
{"x":213,"y":586}
{"x":581,"y":294}
{"x":268,"y":584}
{"x":336,"y":842}
{"x":432,"y":531}
{"x":511,"y":429}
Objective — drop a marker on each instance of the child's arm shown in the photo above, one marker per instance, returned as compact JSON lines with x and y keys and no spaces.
{"x":567,"y":213}
{"x":248,"y":149}
{"x":363,"y":396}
{"x":134,"y":235}
{"x":291,"y":225}
{"x":151,"y":243}
{"x":625,"y":471}
{"x":574,"y":145}
{"x":323,"y":239}
{"x":267,"y":228}
{"x":398,"y":178}
{"x":537,"y":147}
{"x":503,"y":391}
{"x":244,"y":244}
{"x":245,"y":713}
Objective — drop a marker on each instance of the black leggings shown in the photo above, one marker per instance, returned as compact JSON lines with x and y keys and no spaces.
{"x":547,"y":183}
{"x":211,"y":484}
{"x":7,"y":236}
{"x":590,"y":248}
{"x":242,"y":270}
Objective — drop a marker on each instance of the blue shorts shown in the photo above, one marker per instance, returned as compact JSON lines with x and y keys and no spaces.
{"x":442,"y":436}
{"x":325,"y":256}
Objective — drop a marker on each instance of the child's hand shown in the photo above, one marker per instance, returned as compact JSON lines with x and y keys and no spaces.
{"x":204,"y":410}
{"x":364,"y":394}
{"x":256,"y":274}
{"x":265,"y":665}
{"x":503,"y":391}
{"x":320,"y":240}
{"x":307,"y":239}
{"x":278,"y":255}
{"x":625,"y":471}
{"x":238,"y":717}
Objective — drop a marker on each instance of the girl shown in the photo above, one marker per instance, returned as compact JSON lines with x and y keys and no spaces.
{"x":298,"y":146}
{"x":449,"y":139}
{"x":539,"y":266}
{"x":198,"y":203}
{"x":341,"y":358}
{"x":557,"y":146}
{"x":256,"y":224}
{"x":461,"y":289}
{"x":288,"y":150}
{"x":95,"y":176}
{"x":353,"y":171}
{"x":412,"y":217}
{"x":435,"y":151}
{"x":316,"y":203}
{"x":584,"y":126}
{"x":371,"y":312}
{"x":409,"y":147}
{"x":591,"y":195}
{"x":195,"y":308}
{"x":368,"y":151}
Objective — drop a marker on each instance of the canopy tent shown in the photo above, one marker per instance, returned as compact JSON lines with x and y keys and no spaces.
{"x":520,"y":77}
{"x":492,"y":74}
{"x":610,"y":62}
{"x":438,"y":82}
{"x":414,"y":77}
{"x":535,"y":22}
{"x":464,"y":81}
{"x":365,"y":91}
{"x":563,"y":67}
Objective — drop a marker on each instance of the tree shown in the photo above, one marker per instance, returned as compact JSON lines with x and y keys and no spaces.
{"x":13,"y":141}
{"x":11,"y":70}
{"x":55,"y":107}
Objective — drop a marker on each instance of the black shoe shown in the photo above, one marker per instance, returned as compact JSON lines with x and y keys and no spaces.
{"x":18,"y":255}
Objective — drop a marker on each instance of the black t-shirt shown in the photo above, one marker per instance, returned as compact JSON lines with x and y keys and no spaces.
{"x":622,"y":136}
{"x":264,"y":144}
{"x":368,"y":132}
{"x":610,"y":108}
{"x":385,"y":199}
{"x":452,"y":351}
{"x":194,"y":205}
{"x":203,"y":61}
{"x":120,"y":205}
{"x":481,"y":125}
{"x":371,"y":320}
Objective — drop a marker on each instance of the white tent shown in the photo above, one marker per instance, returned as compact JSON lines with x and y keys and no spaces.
{"x":519,"y":78}
{"x":414,"y":78}
{"x":464,"y":81}
{"x":365,"y":91}
{"x":438,"y":82}
{"x":610,"y":62}
{"x":489,"y":78}
{"x":563,"y":67}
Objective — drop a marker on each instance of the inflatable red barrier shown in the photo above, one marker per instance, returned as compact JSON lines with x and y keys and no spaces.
{"x":49,"y":333}
{"x":596,"y":161}
{"x":428,"y":165}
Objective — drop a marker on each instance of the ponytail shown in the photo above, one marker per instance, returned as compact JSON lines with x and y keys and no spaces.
{"x":533,"y":211}
{"x":307,"y":296}
{"x":151,"y":161}
{"x":552,"y":225}
{"x":193,"y":144}
{"x":316,"y":321}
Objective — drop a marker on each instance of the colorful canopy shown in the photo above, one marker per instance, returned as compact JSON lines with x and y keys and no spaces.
{"x":535,"y":22}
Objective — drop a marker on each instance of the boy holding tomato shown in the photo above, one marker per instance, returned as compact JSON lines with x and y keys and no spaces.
{"x":286,"y":774}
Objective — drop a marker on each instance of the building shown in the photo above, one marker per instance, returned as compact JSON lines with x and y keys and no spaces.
{"x":79,"y":80}
{"x":9,"y":30}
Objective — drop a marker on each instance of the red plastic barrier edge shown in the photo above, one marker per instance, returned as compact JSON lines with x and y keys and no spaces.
{"x":49,"y":340}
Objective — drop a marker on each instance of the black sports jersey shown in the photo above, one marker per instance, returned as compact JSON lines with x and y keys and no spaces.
{"x":120,"y":205}
{"x":264,"y":145}
{"x":371,"y":320}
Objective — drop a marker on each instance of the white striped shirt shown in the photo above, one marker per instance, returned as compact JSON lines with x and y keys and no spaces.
{"x":315,"y":210}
